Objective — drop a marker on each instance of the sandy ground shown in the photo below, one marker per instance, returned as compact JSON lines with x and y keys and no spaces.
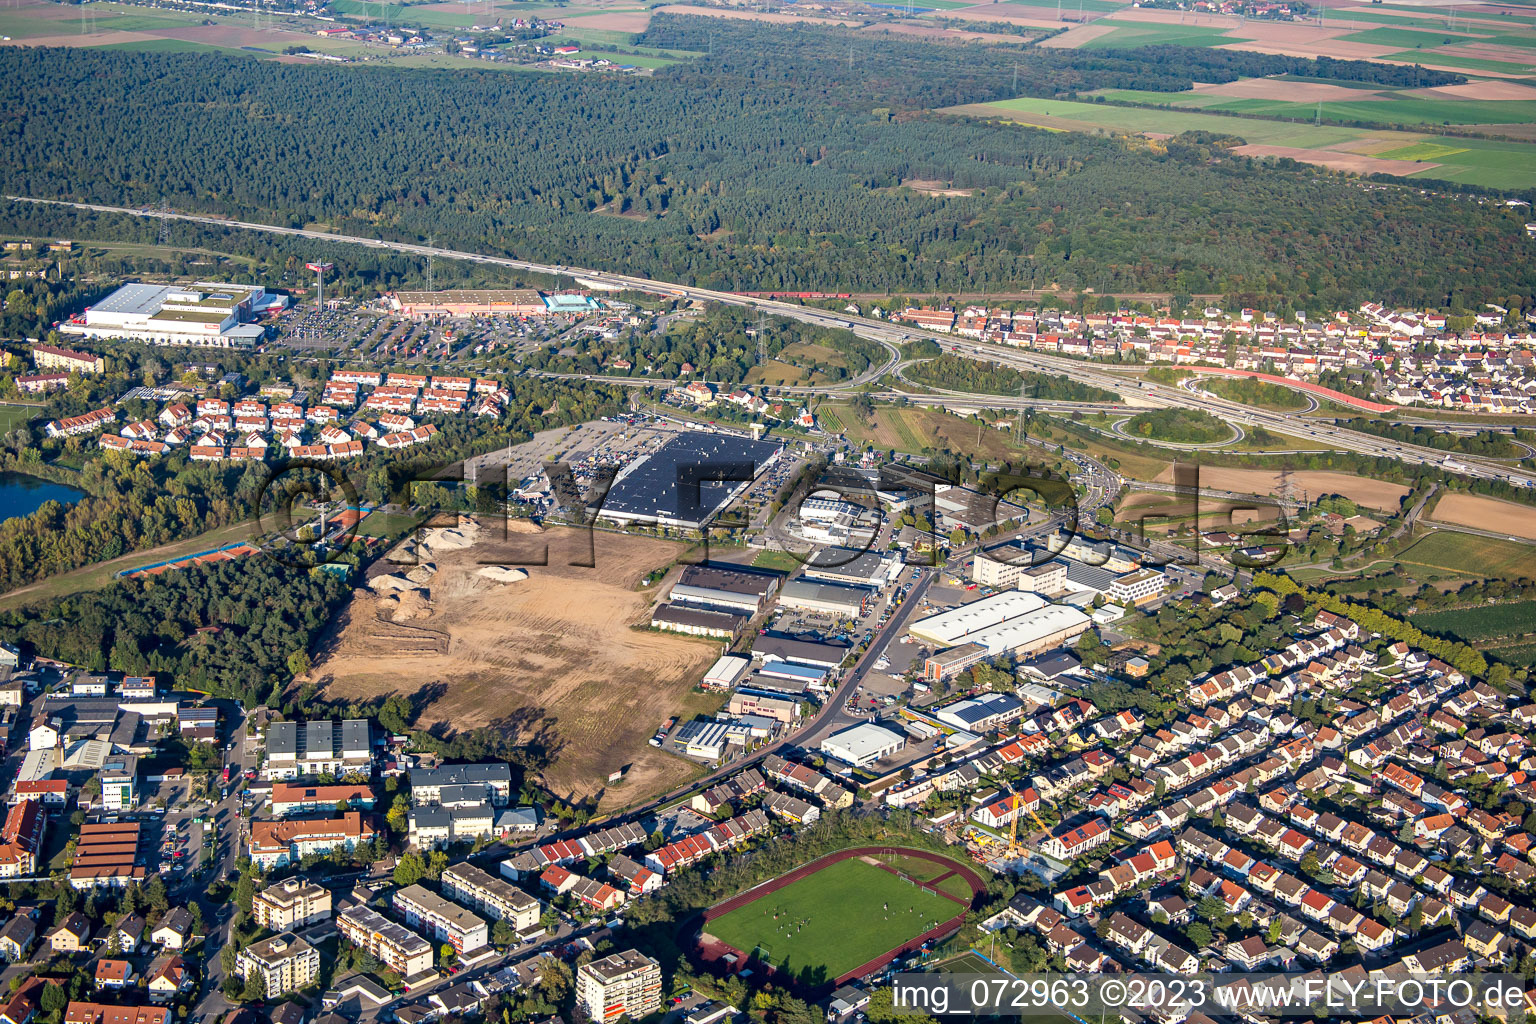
{"x":1214,"y":514}
{"x":934,"y":188}
{"x":552,"y":657}
{"x":1482,"y":513}
{"x":765,"y":16}
{"x":1337,"y":161}
{"x":1478,"y":91}
{"x":1072,"y":38}
{"x":1361,"y":490}
{"x":1329,"y":48}
{"x":1272,"y":89}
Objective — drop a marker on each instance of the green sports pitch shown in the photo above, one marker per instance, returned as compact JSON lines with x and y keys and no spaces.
{"x":826,"y":924}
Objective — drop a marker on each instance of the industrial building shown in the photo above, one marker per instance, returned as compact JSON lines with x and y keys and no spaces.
{"x":725,"y":672}
{"x":779,"y":709}
{"x":704,"y":739}
{"x":724,"y":589}
{"x":982,"y":713}
{"x":776,"y":647}
{"x":853,"y":567}
{"x":957,"y":625}
{"x":205,"y":314}
{"x":495,"y":898}
{"x":864,"y":744}
{"x":687,"y":481}
{"x":626,"y":984}
{"x":825,"y":598}
{"x":106,"y":854}
{"x":397,"y":947}
{"x":321,"y":746}
{"x":952,"y":661}
{"x":678,"y":618}
{"x":443,"y":919}
{"x":1001,"y":567}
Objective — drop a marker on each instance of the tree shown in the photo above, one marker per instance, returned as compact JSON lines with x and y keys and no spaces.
{"x":255,"y":988}
{"x":298,"y":663}
{"x":52,"y":1000}
{"x":437,"y":863}
{"x":1199,"y":933}
{"x":409,"y":869}
{"x":502,"y":933}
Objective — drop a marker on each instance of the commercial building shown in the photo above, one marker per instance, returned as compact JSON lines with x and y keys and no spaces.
{"x":688,"y":480}
{"x":704,"y":739}
{"x":779,"y":709}
{"x":292,"y":903}
{"x":726,"y":672}
{"x":443,"y":919}
{"x":774,"y":647}
{"x":1001,"y":567}
{"x":284,"y":963}
{"x":864,"y":744}
{"x":825,"y":598}
{"x":982,"y":713}
{"x":852,"y":567}
{"x":952,"y":661}
{"x":492,"y":784}
{"x":493,"y":897}
{"x":276,"y":843}
{"x":106,"y":855}
{"x":119,"y":783}
{"x":205,"y":314}
{"x":397,"y":947}
{"x":620,"y":985}
{"x":468,"y":302}
{"x":678,"y":618}
{"x":1138,"y":588}
{"x":320,"y":746}
{"x":724,"y":589}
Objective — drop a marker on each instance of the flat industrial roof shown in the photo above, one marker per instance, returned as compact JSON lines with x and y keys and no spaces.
{"x":134,"y":298}
{"x":670,"y":482}
{"x":958,"y":624}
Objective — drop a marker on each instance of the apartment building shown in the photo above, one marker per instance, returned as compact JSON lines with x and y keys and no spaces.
{"x":285,"y":963}
{"x":496,"y":899}
{"x":102,"y":1013}
{"x":276,"y":843}
{"x":494,"y":782}
{"x":395,"y":946}
{"x":323,"y":746}
{"x":623,"y":984}
{"x":445,"y":920}
{"x":291,"y":903}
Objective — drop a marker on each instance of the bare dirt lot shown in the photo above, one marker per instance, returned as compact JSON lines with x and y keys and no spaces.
{"x":552,"y":656}
{"x":1275,"y":89}
{"x":1336,"y":160}
{"x":1481,"y":513}
{"x":615,"y":21}
{"x":1072,"y":38}
{"x":1361,"y":490}
{"x":1165,"y":513}
{"x":1478,"y":91}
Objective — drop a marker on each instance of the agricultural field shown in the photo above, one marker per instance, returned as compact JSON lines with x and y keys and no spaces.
{"x":1484,"y":622}
{"x":826,"y":924}
{"x":913,"y":429}
{"x":1461,"y":553}
{"x":538,"y":655}
{"x":1478,"y":512}
{"x":1500,"y":163}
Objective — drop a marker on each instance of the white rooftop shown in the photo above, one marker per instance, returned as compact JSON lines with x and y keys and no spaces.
{"x":957,"y":625}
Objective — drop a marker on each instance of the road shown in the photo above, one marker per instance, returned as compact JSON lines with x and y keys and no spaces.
{"x":226,"y":815}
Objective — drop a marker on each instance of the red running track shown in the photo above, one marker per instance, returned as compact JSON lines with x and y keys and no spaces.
{"x":712,"y":950}
{"x":1299,"y":385}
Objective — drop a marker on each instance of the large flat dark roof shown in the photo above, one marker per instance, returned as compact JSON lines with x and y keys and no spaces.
{"x":671,"y":483}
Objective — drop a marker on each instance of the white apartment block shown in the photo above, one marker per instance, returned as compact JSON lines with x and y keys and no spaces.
{"x":285,"y":963}
{"x":322,"y":746}
{"x":493,"y":897}
{"x":624,"y":984}
{"x":446,"y":921}
{"x":395,"y":946}
{"x":291,"y":903}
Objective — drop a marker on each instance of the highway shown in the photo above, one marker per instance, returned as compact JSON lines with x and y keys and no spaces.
{"x":890,"y":337}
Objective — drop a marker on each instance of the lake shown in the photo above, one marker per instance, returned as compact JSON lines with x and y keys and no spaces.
{"x":21,"y":495}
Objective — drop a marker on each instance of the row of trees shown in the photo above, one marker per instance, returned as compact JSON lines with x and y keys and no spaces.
{"x":960,"y":374}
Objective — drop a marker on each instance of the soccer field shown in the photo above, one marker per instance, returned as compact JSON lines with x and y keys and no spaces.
{"x":829,"y":923}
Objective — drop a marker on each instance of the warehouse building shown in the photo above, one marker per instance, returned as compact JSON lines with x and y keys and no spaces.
{"x":982,"y":713}
{"x":726,"y":672}
{"x":771,"y":647}
{"x":724,"y":589}
{"x":704,"y":739}
{"x":825,"y":598}
{"x":444,"y":920}
{"x":852,"y":567}
{"x":864,"y":744}
{"x":957,"y":625}
{"x":205,"y":314}
{"x":678,"y":618}
{"x":688,"y":480}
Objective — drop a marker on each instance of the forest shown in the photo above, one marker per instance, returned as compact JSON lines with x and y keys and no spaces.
{"x":957,"y":373}
{"x":791,"y":183}
{"x":1491,"y":444}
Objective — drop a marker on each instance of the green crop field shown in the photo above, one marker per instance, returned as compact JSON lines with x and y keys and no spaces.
{"x":827,"y":924}
{"x":1428,"y":37}
{"x":1460,"y":553}
{"x":1137,"y":33}
{"x":1482,"y":623}
{"x":1468,"y":63}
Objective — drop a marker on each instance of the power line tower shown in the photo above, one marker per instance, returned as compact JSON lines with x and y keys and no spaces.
{"x":1018,"y":422}
{"x":762,"y":339}
{"x":164,"y":210}
{"x":431,"y":259}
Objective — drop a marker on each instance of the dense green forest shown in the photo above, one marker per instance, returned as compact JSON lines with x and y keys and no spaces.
{"x":787,"y":184}
{"x":960,"y":374}
{"x":1183,"y":426}
{"x":1491,"y":444}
